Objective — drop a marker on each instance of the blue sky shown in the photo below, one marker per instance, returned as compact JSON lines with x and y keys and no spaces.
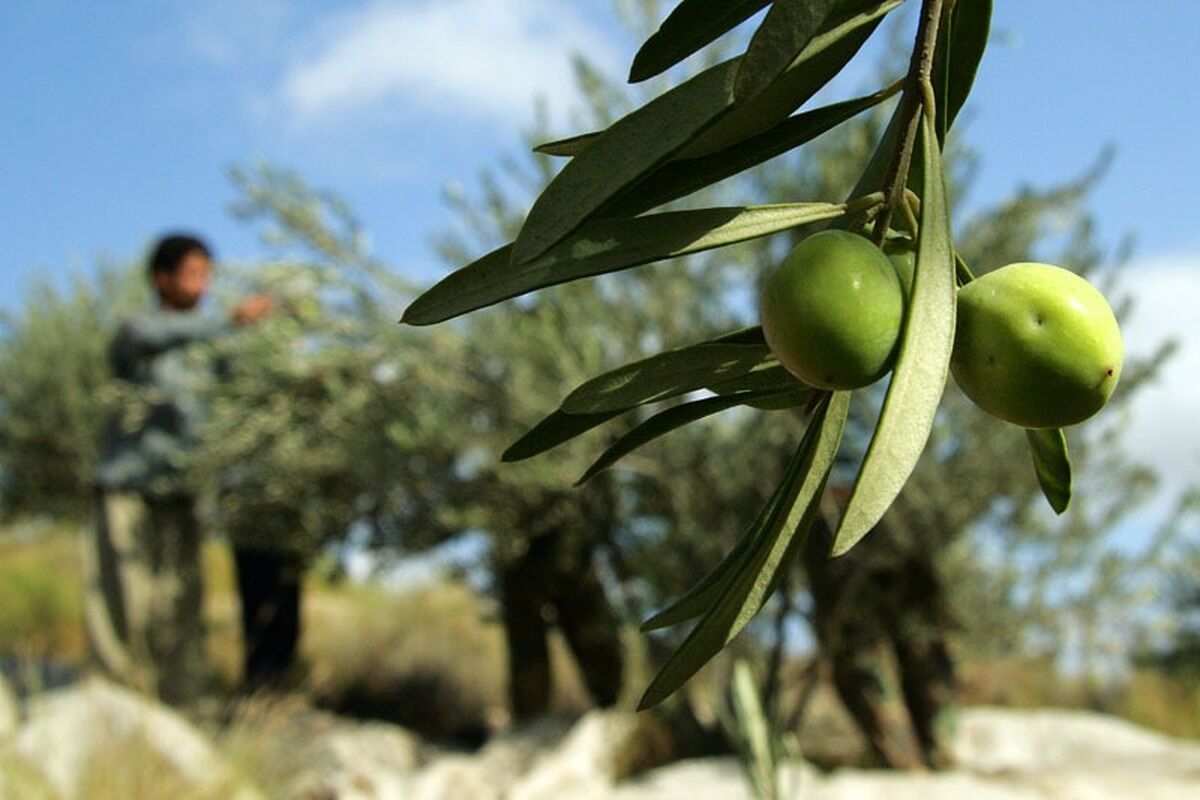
{"x":121,"y":123}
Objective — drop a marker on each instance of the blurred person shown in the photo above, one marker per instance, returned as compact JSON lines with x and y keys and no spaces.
{"x":144,"y":592}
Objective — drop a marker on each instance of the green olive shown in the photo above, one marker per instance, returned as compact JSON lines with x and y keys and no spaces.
{"x":831,"y":311}
{"x":903,"y":255}
{"x":1036,"y":345}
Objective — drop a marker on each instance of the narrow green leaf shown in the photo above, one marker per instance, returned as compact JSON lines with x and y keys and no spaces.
{"x":788,"y":27}
{"x":921,"y":367}
{"x":664,"y":375}
{"x":705,"y":593}
{"x":559,"y":427}
{"x":971,"y":21}
{"x":696,"y":118}
{"x":752,"y":335}
{"x":783,"y":401}
{"x":626,"y":151}
{"x":692,"y":25}
{"x":683,"y":176}
{"x":961,"y":41}
{"x":568,"y":147}
{"x":556,"y":428}
{"x":823,"y":58}
{"x":1053,"y":465}
{"x":664,"y":422}
{"x":792,"y":511}
{"x":607,"y":246}
{"x":768,"y":376}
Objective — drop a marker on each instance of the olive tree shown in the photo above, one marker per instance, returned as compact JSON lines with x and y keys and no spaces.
{"x":601,"y":213}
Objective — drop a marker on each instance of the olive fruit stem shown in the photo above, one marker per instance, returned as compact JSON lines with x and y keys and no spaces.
{"x":918,"y":98}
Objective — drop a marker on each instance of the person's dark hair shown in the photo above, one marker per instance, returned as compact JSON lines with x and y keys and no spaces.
{"x":170,"y":250}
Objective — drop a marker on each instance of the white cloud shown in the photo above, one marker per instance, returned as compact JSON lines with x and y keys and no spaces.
{"x":1165,"y":425}
{"x":486,"y":59}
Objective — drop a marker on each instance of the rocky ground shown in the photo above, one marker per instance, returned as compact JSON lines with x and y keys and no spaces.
{"x":97,"y":741}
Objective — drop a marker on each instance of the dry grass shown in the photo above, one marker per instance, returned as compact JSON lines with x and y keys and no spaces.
{"x":41,"y":607}
{"x":429,"y":659}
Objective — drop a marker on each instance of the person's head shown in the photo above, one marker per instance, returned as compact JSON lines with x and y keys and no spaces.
{"x":180,"y":266}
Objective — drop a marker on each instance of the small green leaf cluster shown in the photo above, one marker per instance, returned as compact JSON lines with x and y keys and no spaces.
{"x":602,"y":213}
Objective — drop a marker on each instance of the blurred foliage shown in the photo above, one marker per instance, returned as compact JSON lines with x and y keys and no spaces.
{"x":41,"y":605}
{"x":55,"y":389}
{"x":330,"y":423}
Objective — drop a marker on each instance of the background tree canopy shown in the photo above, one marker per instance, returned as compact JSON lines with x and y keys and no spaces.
{"x":331,"y":422}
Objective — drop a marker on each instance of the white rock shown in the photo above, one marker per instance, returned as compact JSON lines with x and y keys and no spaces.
{"x":9,"y":713}
{"x":586,"y":762}
{"x":74,"y":730}
{"x":996,"y":740}
{"x":369,"y":761}
{"x":458,"y":777}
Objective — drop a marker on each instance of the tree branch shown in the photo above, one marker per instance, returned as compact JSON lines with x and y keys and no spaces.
{"x":918,"y":98}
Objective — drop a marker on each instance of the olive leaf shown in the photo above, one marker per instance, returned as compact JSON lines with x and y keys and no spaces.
{"x":627,"y":150}
{"x":704,"y":594}
{"x":671,"y":419}
{"x":782,"y":35}
{"x":684,"y":176}
{"x":569,"y":147}
{"x":765,"y":377}
{"x":696,"y":118}
{"x":607,"y":246}
{"x":696,"y":173}
{"x":971,"y":23}
{"x":961,"y":42}
{"x":922,"y":362}
{"x":1052,"y":463}
{"x":751,"y":335}
{"x":824,"y":57}
{"x":689,"y":27}
{"x":557,"y":428}
{"x":789,"y":516}
{"x":665,"y":375}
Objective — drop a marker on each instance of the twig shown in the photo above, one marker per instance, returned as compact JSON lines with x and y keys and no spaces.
{"x":918,"y":97}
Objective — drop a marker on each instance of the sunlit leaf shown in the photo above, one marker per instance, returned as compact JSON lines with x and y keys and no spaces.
{"x":684,"y":176}
{"x":625,"y":152}
{"x":692,"y":25}
{"x":768,"y":376}
{"x":1053,"y":465}
{"x":607,"y":246}
{"x":823,"y":58}
{"x":788,"y":27}
{"x":664,"y":375}
{"x":671,"y":419}
{"x":791,"y":513}
{"x":922,"y":362}
{"x":696,"y":118}
{"x":557,"y":428}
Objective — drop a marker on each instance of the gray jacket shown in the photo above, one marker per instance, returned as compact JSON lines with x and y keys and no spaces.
{"x":144,"y":443}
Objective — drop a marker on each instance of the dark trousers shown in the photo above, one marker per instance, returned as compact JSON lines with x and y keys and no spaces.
{"x":269,"y":585}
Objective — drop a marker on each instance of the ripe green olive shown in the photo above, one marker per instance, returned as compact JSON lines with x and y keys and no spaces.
{"x":903,"y":255}
{"x":831,"y":311}
{"x":1036,"y":345}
